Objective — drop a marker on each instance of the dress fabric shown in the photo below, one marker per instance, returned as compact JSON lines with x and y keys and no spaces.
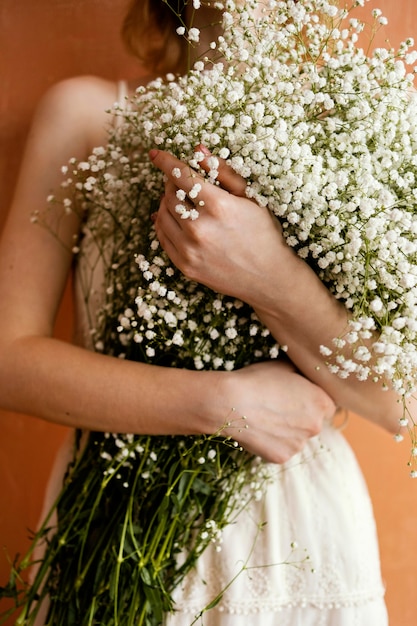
{"x":318,"y":500}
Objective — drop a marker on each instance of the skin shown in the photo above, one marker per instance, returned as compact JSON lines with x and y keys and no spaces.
{"x":284,"y":404}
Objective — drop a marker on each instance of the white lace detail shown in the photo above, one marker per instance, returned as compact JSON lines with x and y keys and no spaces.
{"x":259,"y":596}
{"x":320,"y":501}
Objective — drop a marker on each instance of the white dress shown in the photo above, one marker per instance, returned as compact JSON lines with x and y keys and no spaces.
{"x":318,"y":501}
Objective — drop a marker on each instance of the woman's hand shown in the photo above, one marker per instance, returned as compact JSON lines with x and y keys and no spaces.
{"x":233,"y":243}
{"x":282,"y":410}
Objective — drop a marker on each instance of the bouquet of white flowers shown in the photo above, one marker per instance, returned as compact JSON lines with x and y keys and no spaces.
{"x":324,"y":135}
{"x":326,"y":139}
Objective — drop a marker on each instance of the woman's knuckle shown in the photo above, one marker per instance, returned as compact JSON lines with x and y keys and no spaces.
{"x":189,"y":264}
{"x":316,"y":424}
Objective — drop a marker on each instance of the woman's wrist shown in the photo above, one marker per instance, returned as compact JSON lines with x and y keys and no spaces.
{"x":286,"y":286}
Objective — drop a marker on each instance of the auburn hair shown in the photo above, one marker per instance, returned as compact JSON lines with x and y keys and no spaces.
{"x":148,"y":31}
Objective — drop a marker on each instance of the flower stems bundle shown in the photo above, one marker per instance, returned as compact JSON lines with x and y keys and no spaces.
{"x":114,"y":557}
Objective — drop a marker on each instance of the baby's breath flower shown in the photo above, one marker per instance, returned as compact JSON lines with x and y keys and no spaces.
{"x":195,"y":190}
{"x":194,"y":35}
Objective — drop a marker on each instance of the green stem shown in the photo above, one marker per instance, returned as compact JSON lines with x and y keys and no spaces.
{"x":119,"y":562}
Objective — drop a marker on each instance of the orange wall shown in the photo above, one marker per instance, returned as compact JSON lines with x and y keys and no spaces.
{"x":40,"y":43}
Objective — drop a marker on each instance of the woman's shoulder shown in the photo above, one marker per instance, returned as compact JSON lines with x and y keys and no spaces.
{"x":81,"y":104}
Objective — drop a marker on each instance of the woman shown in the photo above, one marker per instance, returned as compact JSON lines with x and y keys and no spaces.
{"x":317,"y":499}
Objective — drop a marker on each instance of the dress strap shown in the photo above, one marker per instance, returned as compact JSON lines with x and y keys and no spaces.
{"x":122,"y":93}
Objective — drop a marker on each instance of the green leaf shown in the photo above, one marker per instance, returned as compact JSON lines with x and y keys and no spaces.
{"x":201,"y":486}
{"x":145,"y":576}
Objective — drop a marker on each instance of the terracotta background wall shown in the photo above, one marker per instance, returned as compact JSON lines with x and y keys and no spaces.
{"x":40,"y":43}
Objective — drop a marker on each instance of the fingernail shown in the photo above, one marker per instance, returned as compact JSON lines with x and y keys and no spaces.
{"x":203,"y":149}
{"x":153,"y":154}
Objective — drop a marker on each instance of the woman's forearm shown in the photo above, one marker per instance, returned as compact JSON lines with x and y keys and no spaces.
{"x":303,"y":315}
{"x":267,"y":407}
{"x":69,"y":385}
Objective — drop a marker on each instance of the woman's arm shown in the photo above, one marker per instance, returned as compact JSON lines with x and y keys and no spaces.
{"x":45,"y":377}
{"x":236,"y":247}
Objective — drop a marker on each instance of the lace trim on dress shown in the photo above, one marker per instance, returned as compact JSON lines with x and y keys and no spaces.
{"x":334,"y":527}
{"x":259,"y":597}
{"x":259,"y":593}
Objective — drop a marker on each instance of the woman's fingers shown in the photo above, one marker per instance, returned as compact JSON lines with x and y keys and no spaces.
{"x":230,"y":245}
{"x":177,"y":172}
{"x":227,"y":177}
{"x":193,"y":184}
{"x":179,"y":205}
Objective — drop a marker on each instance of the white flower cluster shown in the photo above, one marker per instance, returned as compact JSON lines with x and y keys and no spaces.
{"x":213,"y":533}
{"x":173,"y":316}
{"x":326,"y":138}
